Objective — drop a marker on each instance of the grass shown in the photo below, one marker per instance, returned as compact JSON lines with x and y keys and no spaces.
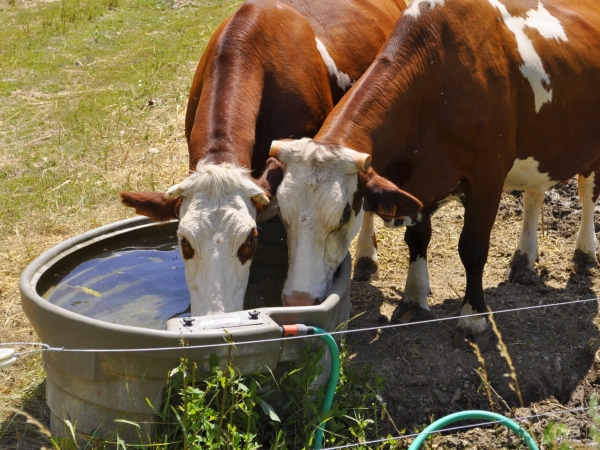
{"x":93,"y":94}
{"x":274,"y":411}
{"x":87,"y":88}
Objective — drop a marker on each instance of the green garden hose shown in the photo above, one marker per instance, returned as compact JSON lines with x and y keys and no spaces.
{"x":300,"y":330}
{"x":466,"y":415}
{"x":333,"y":381}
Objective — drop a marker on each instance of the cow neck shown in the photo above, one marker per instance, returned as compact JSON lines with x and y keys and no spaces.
{"x":226,"y":95}
{"x":382,"y":110}
{"x":225,"y":121}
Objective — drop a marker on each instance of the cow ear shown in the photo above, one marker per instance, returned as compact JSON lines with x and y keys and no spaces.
{"x":153,"y":205}
{"x":271,"y":177}
{"x":385,"y":199}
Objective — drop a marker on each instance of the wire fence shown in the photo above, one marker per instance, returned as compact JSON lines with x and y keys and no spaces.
{"x":48,"y":348}
{"x":459,"y":428}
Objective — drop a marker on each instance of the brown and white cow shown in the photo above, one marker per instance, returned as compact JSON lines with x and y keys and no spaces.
{"x":273,"y":70}
{"x":467,"y":98}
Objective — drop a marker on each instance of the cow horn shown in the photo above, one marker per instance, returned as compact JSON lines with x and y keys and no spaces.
{"x":275,"y":148}
{"x":174,"y":191}
{"x":362,"y":161}
{"x":261,"y":199}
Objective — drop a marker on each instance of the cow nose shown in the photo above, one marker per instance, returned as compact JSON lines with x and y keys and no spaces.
{"x":300,"y":299}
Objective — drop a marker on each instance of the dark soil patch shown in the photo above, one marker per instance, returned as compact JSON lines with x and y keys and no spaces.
{"x":553,"y":349}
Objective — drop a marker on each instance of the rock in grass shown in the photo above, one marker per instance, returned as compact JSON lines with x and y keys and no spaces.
{"x":441,"y":396}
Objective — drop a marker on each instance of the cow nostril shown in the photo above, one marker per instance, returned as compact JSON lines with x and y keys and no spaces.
{"x":300,"y":299}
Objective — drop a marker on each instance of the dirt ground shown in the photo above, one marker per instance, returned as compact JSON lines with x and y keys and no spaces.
{"x":553,"y":349}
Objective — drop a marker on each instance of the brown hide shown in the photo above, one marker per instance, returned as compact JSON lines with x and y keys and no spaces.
{"x":445,"y":109}
{"x":153,"y":205}
{"x":445,"y":101}
{"x":262,"y":78}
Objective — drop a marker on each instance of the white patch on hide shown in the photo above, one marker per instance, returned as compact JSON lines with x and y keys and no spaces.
{"x":217,"y":214}
{"x":404,"y":222}
{"x":319,"y":181}
{"x":524,"y":174}
{"x":545,"y":23}
{"x":475,"y":324}
{"x":343,"y":80}
{"x":417,"y":283}
{"x":365,"y":247}
{"x":533,"y":69}
{"x":586,"y":238}
{"x":414,"y":9}
{"x":528,"y":244}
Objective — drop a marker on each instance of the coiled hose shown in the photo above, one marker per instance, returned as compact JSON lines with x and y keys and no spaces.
{"x":474,"y":414}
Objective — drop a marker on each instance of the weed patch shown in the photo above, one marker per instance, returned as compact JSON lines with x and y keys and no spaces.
{"x":223,"y":409}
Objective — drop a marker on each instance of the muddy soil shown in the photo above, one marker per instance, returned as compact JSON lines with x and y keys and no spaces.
{"x":554,"y":349}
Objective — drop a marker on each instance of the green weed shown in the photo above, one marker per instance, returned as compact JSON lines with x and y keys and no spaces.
{"x":594,"y":413}
{"x":280,"y":410}
{"x":553,"y":435}
{"x":275,"y":410}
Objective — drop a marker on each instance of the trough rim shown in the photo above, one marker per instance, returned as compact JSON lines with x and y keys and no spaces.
{"x":34,"y":270}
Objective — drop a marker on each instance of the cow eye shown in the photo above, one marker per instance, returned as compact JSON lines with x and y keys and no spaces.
{"x":346,"y":215}
{"x":186,"y":248}
{"x":248,"y":248}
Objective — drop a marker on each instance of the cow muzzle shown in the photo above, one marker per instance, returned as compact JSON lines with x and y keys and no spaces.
{"x":300,"y":299}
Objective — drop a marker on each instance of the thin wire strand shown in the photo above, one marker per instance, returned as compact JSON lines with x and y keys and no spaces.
{"x":262,"y":341}
{"x":443,"y":430}
{"x":379,"y":441}
{"x":24,"y":343}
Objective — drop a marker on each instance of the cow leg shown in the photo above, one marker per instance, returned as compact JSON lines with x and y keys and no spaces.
{"x":366,"y":249}
{"x":522,"y":268}
{"x":414,"y":303}
{"x":584,"y":257}
{"x":473,"y":247}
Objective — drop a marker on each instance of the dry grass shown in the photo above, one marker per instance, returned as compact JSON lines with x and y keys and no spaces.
{"x":82,"y":106}
{"x":111,"y":152}
{"x":21,"y":385}
{"x":550,"y":348}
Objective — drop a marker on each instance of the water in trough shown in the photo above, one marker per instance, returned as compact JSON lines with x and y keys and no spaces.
{"x":144,"y":285}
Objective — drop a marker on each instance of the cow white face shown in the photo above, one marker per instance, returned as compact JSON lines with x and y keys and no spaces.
{"x":318,"y":208}
{"x":322,"y":198}
{"x":217,"y":235}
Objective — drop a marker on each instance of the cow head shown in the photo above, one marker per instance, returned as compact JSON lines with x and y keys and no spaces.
{"x":217,"y":208}
{"x":322,"y":198}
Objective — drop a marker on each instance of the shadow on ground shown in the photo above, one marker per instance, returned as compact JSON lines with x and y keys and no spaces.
{"x":552,"y":350}
{"x":18,"y":429}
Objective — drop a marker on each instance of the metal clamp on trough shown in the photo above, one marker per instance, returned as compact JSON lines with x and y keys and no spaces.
{"x":95,"y":388}
{"x":7,"y":357}
{"x":215,"y":321}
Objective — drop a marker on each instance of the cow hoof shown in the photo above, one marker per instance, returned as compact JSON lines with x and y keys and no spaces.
{"x":584,"y":262}
{"x":481,"y":339}
{"x":522,"y":276}
{"x":409,"y":312}
{"x":519,"y":269}
{"x":364,"y":269}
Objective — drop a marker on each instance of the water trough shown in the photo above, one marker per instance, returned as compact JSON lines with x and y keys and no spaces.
{"x":99,"y":290}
